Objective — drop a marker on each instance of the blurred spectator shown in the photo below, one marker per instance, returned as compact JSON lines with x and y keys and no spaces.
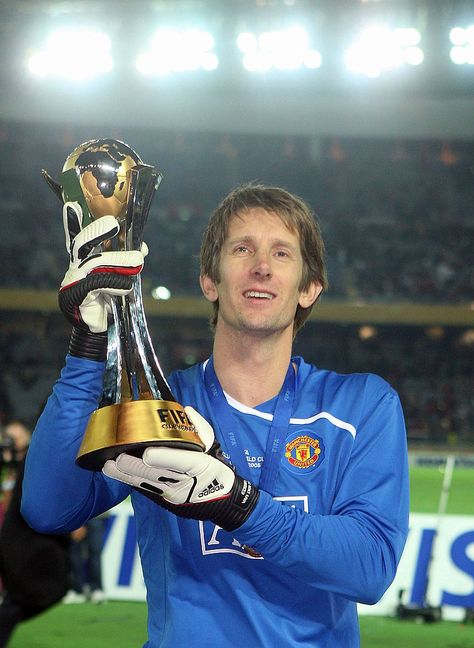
{"x":34,"y":567}
{"x":14,"y":440}
{"x":86,"y":569}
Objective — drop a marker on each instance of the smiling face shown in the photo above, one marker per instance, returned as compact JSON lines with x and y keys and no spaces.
{"x":260,"y":272}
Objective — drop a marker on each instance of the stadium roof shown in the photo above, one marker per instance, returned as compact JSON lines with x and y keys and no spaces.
{"x":432,"y":100}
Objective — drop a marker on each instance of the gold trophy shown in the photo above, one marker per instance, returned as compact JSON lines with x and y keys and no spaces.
{"x":137,"y":408}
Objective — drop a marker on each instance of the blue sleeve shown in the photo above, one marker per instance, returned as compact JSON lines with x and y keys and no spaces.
{"x":355,"y":550}
{"x":59,"y":496}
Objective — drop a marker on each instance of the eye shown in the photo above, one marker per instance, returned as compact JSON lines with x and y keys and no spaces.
{"x":282,"y":254}
{"x":241,"y":249}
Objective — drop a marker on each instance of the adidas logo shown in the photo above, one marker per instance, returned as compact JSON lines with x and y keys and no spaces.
{"x":213,"y":487}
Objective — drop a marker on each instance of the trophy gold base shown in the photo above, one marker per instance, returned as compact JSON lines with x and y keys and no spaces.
{"x":133,"y":426}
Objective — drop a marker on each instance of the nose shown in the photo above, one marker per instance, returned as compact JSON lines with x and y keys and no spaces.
{"x":261,"y":266}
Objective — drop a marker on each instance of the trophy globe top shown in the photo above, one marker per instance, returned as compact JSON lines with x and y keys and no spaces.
{"x":103,"y":169}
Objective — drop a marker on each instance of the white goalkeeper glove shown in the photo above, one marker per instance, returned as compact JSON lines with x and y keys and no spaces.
{"x":197,"y":485}
{"x":92,"y":278}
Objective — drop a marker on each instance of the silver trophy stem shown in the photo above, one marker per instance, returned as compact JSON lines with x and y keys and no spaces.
{"x":112,"y":391}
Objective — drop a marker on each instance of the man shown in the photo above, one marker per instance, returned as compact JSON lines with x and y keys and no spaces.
{"x":312,"y":517}
{"x":33,"y":566}
{"x":14,"y":440}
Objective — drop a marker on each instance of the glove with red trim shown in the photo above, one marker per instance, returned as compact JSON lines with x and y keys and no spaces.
{"x":93,"y":277}
{"x":197,"y":485}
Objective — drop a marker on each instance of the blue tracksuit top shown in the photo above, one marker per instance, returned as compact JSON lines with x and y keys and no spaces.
{"x":331,"y":535}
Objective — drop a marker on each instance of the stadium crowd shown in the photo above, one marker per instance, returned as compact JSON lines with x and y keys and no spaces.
{"x":395,"y":216}
{"x":431,"y":368}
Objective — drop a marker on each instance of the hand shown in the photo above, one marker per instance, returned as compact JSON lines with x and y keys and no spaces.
{"x":190,"y":484}
{"x":94,"y":276}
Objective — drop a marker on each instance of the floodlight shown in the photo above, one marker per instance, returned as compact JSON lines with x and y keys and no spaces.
{"x":312,"y":59}
{"x":458,"y":55}
{"x":414,"y":56}
{"x":380,"y":48}
{"x":247,"y":42}
{"x":458,"y":36}
{"x":74,"y":54}
{"x":209,"y":61}
{"x":406,"y":36}
{"x":257,"y":62}
{"x":172,"y":50}
{"x":462,"y":40}
{"x":287,"y":49}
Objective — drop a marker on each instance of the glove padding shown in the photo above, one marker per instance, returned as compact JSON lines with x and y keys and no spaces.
{"x":196,"y":485}
{"x":94,"y":276}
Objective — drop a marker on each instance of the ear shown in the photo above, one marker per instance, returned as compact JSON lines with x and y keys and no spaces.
{"x":310,"y":295}
{"x":208,"y":288}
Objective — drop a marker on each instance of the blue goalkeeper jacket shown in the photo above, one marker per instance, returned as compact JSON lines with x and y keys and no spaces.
{"x":331,"y":534}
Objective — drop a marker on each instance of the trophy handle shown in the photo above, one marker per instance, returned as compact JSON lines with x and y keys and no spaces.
{"x":55,"y":186}
{"x":144,"y":181}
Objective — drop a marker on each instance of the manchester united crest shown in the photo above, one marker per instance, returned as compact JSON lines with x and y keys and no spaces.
{"x":304,"y":451}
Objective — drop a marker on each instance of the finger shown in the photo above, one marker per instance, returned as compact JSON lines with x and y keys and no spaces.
{"x":128,"y":466}
{"x":93,"y":235}
{"x":168,"y":460}
{"x":204,"y":430}
{"x":110,"y":470}
{"x":107,"y":293}
{"x":125,"y":263}
{"x":76,"y":291}
{"x":126,"y":470}
{"x":135,"y":467}
{"x":72,"y":222}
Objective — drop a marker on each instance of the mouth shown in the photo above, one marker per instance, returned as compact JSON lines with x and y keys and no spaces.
{"x":258,"y":294}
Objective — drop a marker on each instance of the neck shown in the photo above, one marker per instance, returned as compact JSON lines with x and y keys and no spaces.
{"x":251,"y":370}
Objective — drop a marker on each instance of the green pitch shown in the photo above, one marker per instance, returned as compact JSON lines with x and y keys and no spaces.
{"x":85,"y":625}
{"x":425,"y":491}
{"x":123,"y":624}
{"x":378,"y":632}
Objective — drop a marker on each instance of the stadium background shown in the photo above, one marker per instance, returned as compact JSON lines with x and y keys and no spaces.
{"x":386,"y":161}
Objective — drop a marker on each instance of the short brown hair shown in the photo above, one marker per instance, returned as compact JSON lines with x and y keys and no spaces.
{"x":296,"y":215}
